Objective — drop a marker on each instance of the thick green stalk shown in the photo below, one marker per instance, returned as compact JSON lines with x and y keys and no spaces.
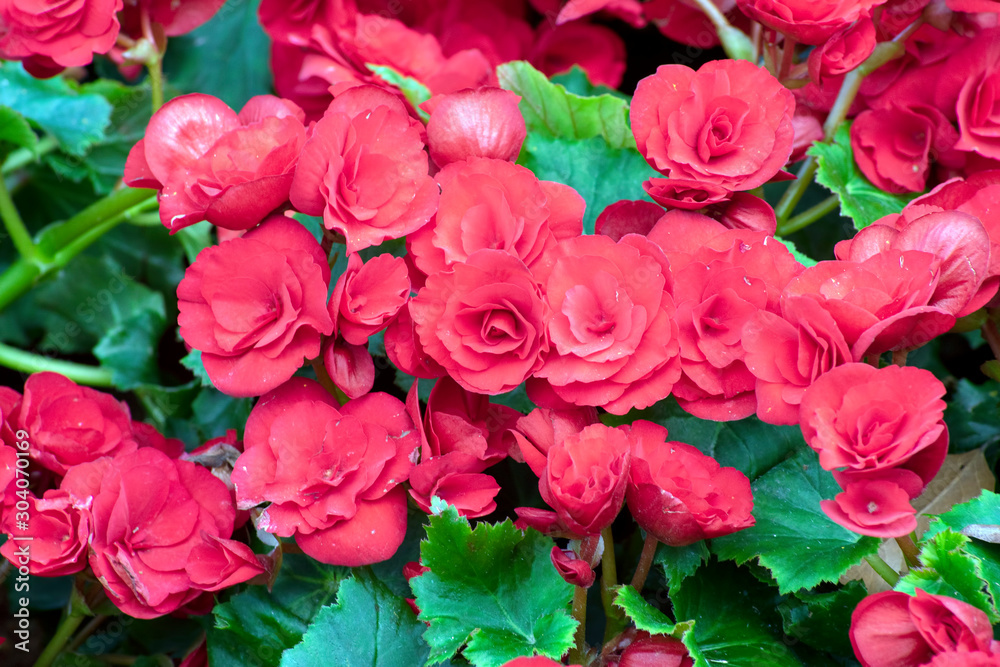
{"x":99,"y":217}
{"x":22,"y":157}
{"x":614,"y":617}
{"x":29,"y":362}
{"x":883,"y":570}
{"x":15,"y":226}
{"x":809,"y":216}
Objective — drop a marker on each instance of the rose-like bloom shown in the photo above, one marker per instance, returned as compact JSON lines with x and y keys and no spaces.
{"x":805,"y":21}
{"x":367,"y":296}
{"x":219,"y":455}
{"x":499,"y":205}
{"x":893,"y":145}
{"x":679,"y":495}
{"x":350,"y":366}
{"x":722,"y":279}
{"x":875,"y":507}
{"x":364,"y":170}
{"x":402,"y":346}
{"x":681,"y":21}
{"x":535,"y":661}
{"x":728,"y":125}
{"x":582,"y":476}
{"x":965,"y":273}
{"x":255,"y":306}
{"x":845,"y":50}
{"x":684,"y":193}
{"x":483,"y":321}
{"x":649,"y":650}
{"x":51,"y":38}
{"x":787,"y":352}
{"x":146,"y":435}
{"x":865,"y":420}
{"x":893,"y":628}
{"x":210,"y":163}
{"x":160,"y":531}
{"x":882,"y":303}
{"x":69,"y":424}
{"x":613,"y":336}
{"x":331,"y":474}
{"x":461,"y":435}
{"x":58,"y":531}
{"x":598,"y":51}
{"x":572,"y":569}
{"x":965,"y":659}
{"x":475,"y":123}
{"x":976,"y":75}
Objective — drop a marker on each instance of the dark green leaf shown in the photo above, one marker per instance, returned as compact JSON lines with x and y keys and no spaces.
{"x":75,"y":119}
{"x":822,"y":620}
{"x":129,"y":349}
{"x":228,"y":57}
{"x":368,"y":626}
{"x":799,"y":256}
{"x":678,"y":563}
{"x":749,"y":445}
{"x":734,"y":616}
{"x":255,"y":627}
{"x":495,"y":588}
{"x":793,"y":538}
{"x":976,"y":518}
{"x":859,"y":199}
{"x":215,"y":413}
{"x":971,"y":415}
{"x":192,"y":362}
{"x":601,"y":174}
{"x":948,"y":568}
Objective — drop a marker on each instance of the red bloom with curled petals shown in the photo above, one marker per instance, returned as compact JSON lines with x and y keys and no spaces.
{"x":58,"y":531}
{"x":655,"y":651}
{"x":210,"y":163}
{"x":475,"y":123}
{"x":495,"y":204}
{"x":367,"y":296}
{"x":69,"y":424}
{"x":679,"y":495}
{"x":461,"y":435}
{"x":614,"y":339}
{"x":364,"y":170}
{"x":875,"y":507}
{"x":176,"y":17}
{"x":50,"y":38}
{"x":728,"y":125}
{"x":161,"y":531}
{"x":331,"y":473}
{"x":806,"y":21}
{"x":256,"y":306}
{"x":893,"y":628}
{"x":483,"y":321}
{"x":582,"y":476}
{"x":865,"y":420}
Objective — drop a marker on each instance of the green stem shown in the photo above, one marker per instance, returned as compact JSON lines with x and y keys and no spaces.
{"x":15,"y":225}
{"x":911,"y":554}
{"x":96,"y":219}
{"x":17,"y":279}
{"x":22,"y":157}
{"x":579,"y":649}
{"x":86,"y":632}
{"x":70,"y":622}
{"x":155,"y":69}
{"x":795,"y":190}
{"x":615,"y":617}
{"x":883,"y":570}
{"x":29,"y":362}
{"x":735,"y":42}
{"x":645,"y":562}
{"x":809,"y":216}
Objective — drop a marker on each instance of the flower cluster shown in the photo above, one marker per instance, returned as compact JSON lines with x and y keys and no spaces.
{"x":154,"y":527}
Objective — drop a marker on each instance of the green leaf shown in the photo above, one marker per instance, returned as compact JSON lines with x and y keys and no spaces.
{"x":799,"y":256}
{"x":680,"y":563}
{"x":255,"y":627}
{"x":493,"y":587}
{"x":131,"y":110}
{"x":749,"y":445}
{"x":734,"y":619}
{"x":228,"y":57}
{"x":601,"y":174}
{"x":947,"y":568}
{"x":793,"y":538}
{"x":971,"y":415}
{"x":549,"y":109}
{"x":15,"y":131}
{"x":215,"y":413}
{"x":577,"y":82}
{"x":977,"y":518}
{"x":859,"y":199}
{"x":192,"y":362}
{"x":129,"y":348}
{"x":369,"y":626}
{"x":822,"y":620}
{"x":75,"y":119}
{"x":415,"y":92}
{"x":647,"y":617}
